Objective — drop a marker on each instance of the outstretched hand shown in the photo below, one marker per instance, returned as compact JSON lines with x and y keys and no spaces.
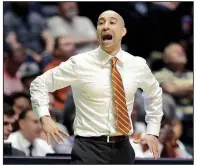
{"x":152,"y":143}
{"x":50,"y":129}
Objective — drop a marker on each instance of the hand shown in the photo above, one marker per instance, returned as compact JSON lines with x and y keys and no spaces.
{"x":50,"y":129}
{"x":37,"y":57}
{"x":152,"y":143}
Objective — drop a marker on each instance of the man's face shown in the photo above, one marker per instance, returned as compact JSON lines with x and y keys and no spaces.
{"x":31,"y":126}
{"x":20,"y":104}
{"x":177,"y":55}
{"x":69,"y":9}
{"x":18,"y":56}
{"x":66,"y":47}
{"x":8,"y":123}
{"x":110,"y":30}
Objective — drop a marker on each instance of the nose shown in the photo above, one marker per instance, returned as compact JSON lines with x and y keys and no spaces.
{"x":106,"y":26}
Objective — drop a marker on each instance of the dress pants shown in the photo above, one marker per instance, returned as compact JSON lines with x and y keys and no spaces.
{"x":94,"y":151}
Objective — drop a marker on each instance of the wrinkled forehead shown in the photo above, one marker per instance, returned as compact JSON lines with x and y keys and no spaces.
{"x":8,"y":118}
{"x":111,"y":15}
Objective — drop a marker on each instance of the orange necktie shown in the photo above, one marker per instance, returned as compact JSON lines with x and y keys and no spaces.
{"x":123,"y":122}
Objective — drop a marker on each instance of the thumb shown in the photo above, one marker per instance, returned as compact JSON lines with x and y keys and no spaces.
{"x":137,"y":141}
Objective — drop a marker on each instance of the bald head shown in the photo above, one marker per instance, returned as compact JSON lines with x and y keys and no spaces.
{"x":112,"y":14}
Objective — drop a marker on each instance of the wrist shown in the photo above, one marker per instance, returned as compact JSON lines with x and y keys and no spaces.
{"x":44,"y":118}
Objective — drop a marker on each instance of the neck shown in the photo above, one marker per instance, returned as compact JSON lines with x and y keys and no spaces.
{"x":61,"y":57}
{"x":112,"y":51}
{"x":178,"y":68}
{"x":66,"y":18}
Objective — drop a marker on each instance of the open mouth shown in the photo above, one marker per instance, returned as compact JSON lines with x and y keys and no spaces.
{"x":107,"y":37}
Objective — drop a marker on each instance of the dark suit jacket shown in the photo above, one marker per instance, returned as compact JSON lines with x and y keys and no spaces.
{"x":16,"y":152}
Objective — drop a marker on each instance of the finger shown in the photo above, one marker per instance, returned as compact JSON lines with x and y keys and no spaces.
{"x":155,"y":151}
{"x":60,"y":136}
{"x":63,"y":132}
{"x":151,"y":149}
{"x":48,"y":138}
{"x":55,"y":138}
{"x":158,"y":151}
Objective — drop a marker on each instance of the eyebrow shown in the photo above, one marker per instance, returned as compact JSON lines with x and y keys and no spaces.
{"x":102,"y":18}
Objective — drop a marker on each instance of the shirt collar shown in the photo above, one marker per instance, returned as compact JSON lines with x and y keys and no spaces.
{"x":25,"y":143}
{"x":105,"y":57}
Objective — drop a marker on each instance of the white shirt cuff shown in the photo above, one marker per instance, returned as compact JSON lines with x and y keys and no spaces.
{"x":153,"y":128}
{"x":41,"y":111}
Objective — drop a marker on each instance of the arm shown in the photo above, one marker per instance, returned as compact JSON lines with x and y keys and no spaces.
{"x":59,"y":77}
{"x":152,"y":94}
{"x":83,"y":40}
{"x":175,"y":90}
{"x":153,"y":106}
{"x":10,"y":34}
{"x":49,"y":41}
{"x":46,"y":36}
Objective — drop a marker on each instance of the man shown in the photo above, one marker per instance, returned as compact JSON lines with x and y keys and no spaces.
{"x":27,"y":27}
{"x":27,"y":138}
{"x":13,"y":61}
{"x":64,"y":49}
{"x":21,"y":101}
{"x":176,"y":81}
{"x":103,"y":104}
{"x":8,"y":123}
{"x":79,"y":28}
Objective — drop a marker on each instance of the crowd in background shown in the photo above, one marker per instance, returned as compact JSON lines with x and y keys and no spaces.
{"x":38,"y":36}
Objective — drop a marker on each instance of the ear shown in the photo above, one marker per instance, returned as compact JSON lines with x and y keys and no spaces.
{"x":124,"y":32}
{"x":21,"y":124}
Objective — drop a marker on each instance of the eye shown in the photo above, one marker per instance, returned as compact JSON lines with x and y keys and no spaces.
{"x":100,"y":23}
{"x":112,"y":22}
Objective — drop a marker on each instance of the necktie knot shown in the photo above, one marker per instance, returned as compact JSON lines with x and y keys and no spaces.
{"x":114,"y":61}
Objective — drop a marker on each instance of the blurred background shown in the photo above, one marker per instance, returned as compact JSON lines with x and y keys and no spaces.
{"x":39,"y":36}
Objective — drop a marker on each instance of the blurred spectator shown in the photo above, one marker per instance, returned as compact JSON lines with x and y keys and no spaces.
{"x":169,"y":138}
{"x":139,"y":128}
{"x":64,"y":49}
{"x":68,"y":22}
{"x":8,"y":123}
{"x":66,"y":147}
{"x":28,"y":72}
{"x":27,"y":138}
{"x":177,"y":128}
{"x":176,"y":80}
{"x":21,"y":101}
{"x":22,"y":25}
{"x":15,"y":57}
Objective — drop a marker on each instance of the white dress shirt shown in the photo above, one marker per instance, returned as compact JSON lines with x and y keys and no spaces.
{"x":89,"y":75}
{"x":40,"y":146}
